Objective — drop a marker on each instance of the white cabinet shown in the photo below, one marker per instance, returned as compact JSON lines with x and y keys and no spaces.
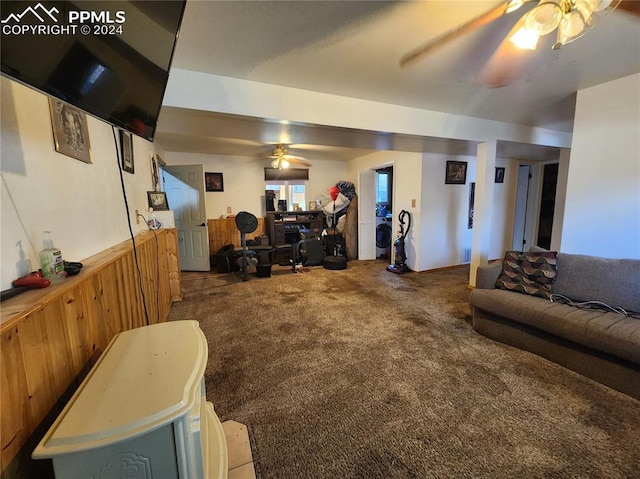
{"x":141,"y":413}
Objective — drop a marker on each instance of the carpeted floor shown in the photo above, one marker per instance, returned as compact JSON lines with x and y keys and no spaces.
{"x":366,"y":374}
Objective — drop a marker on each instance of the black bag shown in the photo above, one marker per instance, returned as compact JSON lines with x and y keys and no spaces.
{"x":310,"y":251}
{"x":224,"y":259}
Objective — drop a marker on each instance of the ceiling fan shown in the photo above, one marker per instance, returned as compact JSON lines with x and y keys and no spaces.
{"x":282,"y":159}
{"x":570,"y":19}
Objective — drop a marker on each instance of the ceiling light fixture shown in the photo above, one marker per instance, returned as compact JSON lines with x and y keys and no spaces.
{"x":571,"y":19}
{"x":280,"y":161}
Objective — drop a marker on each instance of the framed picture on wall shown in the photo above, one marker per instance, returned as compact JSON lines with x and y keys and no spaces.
{"x":126,"y":150}
{"x":158,"y":200}
{"x":214,"y":181}
{"x":456,"y":173}
{"x":70,"y":130}
{"x":499,"y":175}
{"x":155,"y":174}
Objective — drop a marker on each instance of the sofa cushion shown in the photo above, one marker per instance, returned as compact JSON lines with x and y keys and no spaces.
{"x":615,"y":282}
{"x":530,"y":273}
{"x":488,"y":274}
{"x":608,"y":332}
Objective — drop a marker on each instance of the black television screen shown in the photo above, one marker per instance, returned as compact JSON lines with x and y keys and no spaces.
{"x":109,"y":58}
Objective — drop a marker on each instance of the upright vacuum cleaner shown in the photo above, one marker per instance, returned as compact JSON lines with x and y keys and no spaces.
{"x":400,"y":266}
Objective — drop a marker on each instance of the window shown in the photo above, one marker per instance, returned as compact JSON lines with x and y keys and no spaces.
{"x":294,"y":192}
{"x":382,"y":189}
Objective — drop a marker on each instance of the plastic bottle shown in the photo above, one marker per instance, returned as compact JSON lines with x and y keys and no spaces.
{"x":51,"y":259}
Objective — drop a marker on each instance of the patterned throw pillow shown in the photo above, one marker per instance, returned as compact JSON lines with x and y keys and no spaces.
{"x":529,"y":273}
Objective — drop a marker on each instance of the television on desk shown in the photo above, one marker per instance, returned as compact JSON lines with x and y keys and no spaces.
{"x":110,"y":59}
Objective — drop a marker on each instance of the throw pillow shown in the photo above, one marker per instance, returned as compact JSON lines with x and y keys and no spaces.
{"x":529,"y":273}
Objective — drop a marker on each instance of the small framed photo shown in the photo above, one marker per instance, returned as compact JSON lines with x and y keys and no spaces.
{"x":126,"y":151}
{"x":499,"y":175}
{"x":456,"y":173}
{"x":70,"y":130}
{"x":313,"y":205}
{"x":158,"y":200}
{"x":214,"y":181}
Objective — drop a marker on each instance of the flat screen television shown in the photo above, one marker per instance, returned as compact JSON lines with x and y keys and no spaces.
{"x":108,"y":58}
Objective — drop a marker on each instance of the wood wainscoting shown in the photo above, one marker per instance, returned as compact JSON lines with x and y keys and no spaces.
{"x":224,"y":231}
{"x":50,"y":336}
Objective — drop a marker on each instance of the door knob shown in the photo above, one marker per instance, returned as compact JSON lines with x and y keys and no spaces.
{"x":203,"y":224}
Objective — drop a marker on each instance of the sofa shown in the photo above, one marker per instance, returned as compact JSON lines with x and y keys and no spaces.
{"x":586,"y":317}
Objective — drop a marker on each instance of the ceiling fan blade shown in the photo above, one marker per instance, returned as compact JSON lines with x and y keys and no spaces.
{"x":477,"y":22}
{"x":297,"y":161}
{"x":506,"y":64}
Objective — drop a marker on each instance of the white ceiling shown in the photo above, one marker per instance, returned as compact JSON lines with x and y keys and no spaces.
{"x":353,"y":48}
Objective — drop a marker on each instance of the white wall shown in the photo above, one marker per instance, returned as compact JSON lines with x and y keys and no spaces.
{"x":503,"y":214}
{"x":602,"y":209}
{"x":81,"y":204}
{"x":244,"y":183}
{"x":203,"y":91}
{"x":445,"y":213}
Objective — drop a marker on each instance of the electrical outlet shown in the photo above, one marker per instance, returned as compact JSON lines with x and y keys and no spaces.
{"x":137,"y":217}
{"x":413,"y":203}
{"x":228,"y":210}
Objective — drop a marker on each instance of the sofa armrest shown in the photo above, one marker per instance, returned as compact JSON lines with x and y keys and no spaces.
{"x":487,"y":275}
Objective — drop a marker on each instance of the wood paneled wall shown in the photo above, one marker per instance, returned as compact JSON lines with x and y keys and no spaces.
{"x":48,"y":336}
{"x":224,"y":231}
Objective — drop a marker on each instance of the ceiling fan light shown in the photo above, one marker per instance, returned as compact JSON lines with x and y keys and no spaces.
{"x":572,"y":25}
{"x":544,"y":18}
{"x":284,"y":163}
{"x":513,"y":5}
{"x":275,"y":164}
{"x":605,"y":7}
{"x":525,"y":38}
{"x":586,"y":7}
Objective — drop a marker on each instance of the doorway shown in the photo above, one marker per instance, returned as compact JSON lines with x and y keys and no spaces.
{"x":384,"y":212}
{"x":184,"y":186}
{"x":547,"y":205}
{"x":535,"y":206}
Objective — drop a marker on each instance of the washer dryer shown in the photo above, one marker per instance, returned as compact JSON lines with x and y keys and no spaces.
{"x":383,"y":237}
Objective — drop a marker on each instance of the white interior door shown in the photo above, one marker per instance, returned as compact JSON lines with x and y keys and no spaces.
{"x":184,"y":186}
{"x":367,"y":215}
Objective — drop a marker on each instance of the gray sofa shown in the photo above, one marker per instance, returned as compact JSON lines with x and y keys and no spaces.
{"x":597,"y":343}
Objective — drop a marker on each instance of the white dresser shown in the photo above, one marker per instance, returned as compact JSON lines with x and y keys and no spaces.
{"x":141,"y":413}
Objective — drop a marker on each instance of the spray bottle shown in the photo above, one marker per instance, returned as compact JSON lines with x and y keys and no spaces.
{"x":51,"y":260}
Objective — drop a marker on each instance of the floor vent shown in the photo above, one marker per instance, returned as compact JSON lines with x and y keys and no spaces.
{"x":465,"y":255}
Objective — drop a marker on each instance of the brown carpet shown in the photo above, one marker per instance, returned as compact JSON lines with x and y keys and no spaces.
{"x":366,"y":374}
